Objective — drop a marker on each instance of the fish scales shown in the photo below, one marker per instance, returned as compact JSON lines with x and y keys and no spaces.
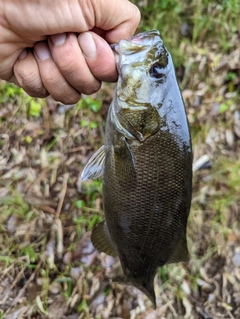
{"x":148,"y":215}
{"x":145,"y":163}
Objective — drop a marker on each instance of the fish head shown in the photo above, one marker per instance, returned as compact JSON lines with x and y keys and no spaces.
{"x":144,"y":66}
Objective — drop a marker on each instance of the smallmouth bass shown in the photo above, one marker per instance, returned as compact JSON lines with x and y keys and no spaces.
{"x":145,"y":164}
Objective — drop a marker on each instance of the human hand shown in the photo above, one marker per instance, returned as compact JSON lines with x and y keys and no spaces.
{"x":46,"y":47}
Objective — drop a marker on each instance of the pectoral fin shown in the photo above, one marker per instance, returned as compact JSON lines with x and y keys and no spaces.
{"x":180,"y":253}
{"x":95,"y":165}
{"x":102,"y":241}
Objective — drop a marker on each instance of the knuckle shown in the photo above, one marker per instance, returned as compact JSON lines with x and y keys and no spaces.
{"x":31,"y":83}
{"x":72,"y":99}
{"x":66,"y":97}
{"x":40,"y":94}
{"x":52,"y":80}
{"x":67,"y":66}
{"x":28,"y":77}
{"x":89,"y":89}
{"x":106,"y":75}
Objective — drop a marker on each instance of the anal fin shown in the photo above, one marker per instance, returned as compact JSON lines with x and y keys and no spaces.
{"x":102,"y":241}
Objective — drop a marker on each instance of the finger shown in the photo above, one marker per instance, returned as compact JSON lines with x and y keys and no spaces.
{"x":99,"y":56}
{"x":52,"y":78}
{"x":72,"y":64}
{"x":27,"y":75}
{"x":119,"y":18}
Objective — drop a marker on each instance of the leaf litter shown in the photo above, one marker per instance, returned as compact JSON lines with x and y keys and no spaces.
{"x":49,"y":268}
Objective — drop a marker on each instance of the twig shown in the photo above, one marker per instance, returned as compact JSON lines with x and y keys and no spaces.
{"x":19,"y":275}
{"x":62,"y":196}
{"x":37,"y":201}
{"x":59,"y":238}
{"x":47,"y":209}
{"x":22,"y":291}
{"x":93,"y":210}
{"x":200,"y":308}
{"x":200,"y":162}
{"x":35,"y":181}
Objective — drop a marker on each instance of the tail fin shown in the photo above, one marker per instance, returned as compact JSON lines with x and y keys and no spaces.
{"x":148,"y":289}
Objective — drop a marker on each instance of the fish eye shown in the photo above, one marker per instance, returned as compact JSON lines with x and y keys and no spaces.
{"x":156,"y":70}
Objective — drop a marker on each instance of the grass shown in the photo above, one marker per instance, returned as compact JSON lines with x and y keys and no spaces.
{"x":191,"y":22}
{"x":48,"y":267}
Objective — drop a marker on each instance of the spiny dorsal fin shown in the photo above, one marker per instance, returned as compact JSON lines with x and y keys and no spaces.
{"x":102,"y":241}
{"x":95,"y":165}
{"x":180,"y":253}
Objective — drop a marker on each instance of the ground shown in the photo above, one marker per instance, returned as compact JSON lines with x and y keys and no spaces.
{"x":48,"y":267}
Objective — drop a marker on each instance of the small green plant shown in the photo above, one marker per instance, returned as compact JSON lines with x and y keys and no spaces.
{"x":45,"y":285}
{"x":35,"y":108}
{"x":7,"y":260}
{"x":80,"y":203}
{"x":83,"y":306}
{"x":16,"y":205}
{"x":81,"y":224}
{"x":89,"y":103}
{"x":10,"y":92}
{"x":28,"y":139}
{"x":95,"y":219}
{"x":30,"y":252}
{"x":225,"y":106}
{"x":69,"y":284}
{"x":88,"y":124}
{"x":93,"y":104}
{"x":163,"y":273}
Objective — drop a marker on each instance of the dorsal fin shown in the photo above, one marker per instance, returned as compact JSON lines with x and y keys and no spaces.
{"x":180,"y":253}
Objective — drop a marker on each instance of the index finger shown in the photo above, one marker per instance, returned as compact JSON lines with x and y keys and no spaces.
{"x":119,"y":19}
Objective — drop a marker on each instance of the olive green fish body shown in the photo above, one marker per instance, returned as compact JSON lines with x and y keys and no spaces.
{"x":146,"y":165}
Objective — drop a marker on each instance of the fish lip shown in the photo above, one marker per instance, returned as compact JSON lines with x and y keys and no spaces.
{"x":136,"y":39}
{"x":116,"y":51}
{"x":139,"y":38}
{"x":143,"y":41}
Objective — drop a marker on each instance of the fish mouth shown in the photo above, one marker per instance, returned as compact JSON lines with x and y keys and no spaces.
{"x":134,"y":43}
{"x":140,"y":43}
{"x":142,"y":37}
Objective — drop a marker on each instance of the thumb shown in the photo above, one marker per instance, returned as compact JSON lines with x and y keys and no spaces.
{"x":99,"y":56}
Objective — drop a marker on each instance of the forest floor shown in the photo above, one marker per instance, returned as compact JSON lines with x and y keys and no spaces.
{"x":48,"y":266}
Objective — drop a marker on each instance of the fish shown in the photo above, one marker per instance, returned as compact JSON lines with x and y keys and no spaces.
{"x":145,"y":164}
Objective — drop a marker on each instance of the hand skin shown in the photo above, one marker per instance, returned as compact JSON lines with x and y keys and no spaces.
{"x":61,"y":47}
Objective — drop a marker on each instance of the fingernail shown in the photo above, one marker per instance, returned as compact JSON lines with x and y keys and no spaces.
{"x":58,"y":39}
{"x":42,"y":51}
{"x":23,"y":54}
{"x":88,"y":45}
